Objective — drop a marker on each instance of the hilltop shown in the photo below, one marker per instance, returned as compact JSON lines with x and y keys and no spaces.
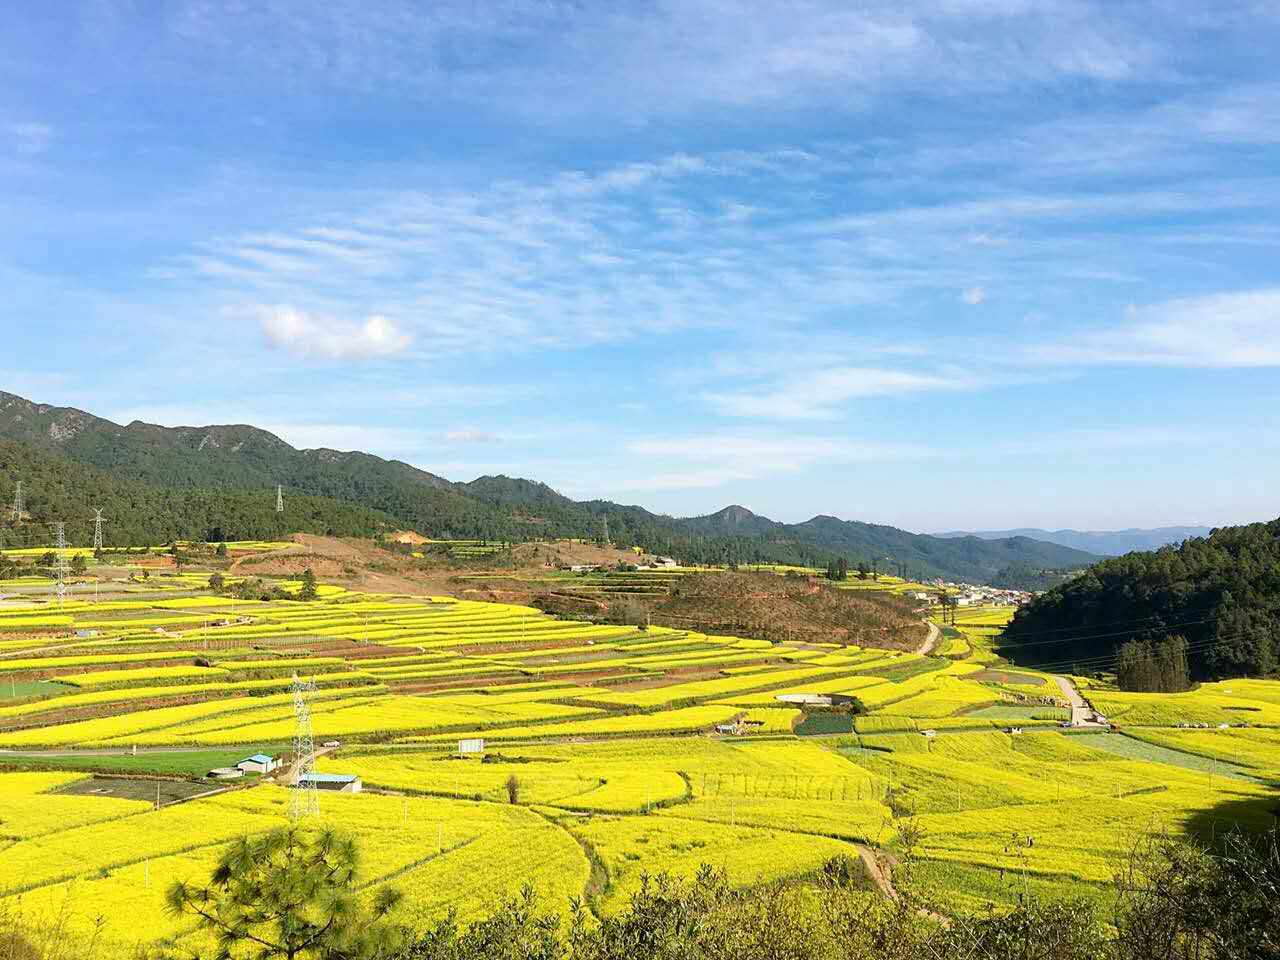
{"x":246,"y":463}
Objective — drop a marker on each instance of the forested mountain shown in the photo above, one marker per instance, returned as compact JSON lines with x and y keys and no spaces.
{"x":252,"y":462}
{"x":58,"y":489}
{"x":1221,"y":592}
{"x":1106,"y":543}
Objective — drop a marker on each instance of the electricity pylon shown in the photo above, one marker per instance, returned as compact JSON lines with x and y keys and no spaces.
{"x":98,"y":521}
{"x":306,"y":801}
{"x":279,"y":499}
{"x":60,"y":565}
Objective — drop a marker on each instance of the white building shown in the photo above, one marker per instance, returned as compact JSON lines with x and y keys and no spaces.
{"x":258,"y":763}
{"x":340,"y":782}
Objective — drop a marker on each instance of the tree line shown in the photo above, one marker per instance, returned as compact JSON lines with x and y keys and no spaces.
{"x":1220,"y":594}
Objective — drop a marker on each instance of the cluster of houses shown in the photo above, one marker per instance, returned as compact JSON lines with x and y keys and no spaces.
{"x":973,"y":595}
{"x":647,"y":563}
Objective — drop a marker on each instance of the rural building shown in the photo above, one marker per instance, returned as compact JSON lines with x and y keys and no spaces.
{"x":471,"y":745}
{"x":258,"y":763}
{"x":340,"y":782}
{"x":812,"y":699}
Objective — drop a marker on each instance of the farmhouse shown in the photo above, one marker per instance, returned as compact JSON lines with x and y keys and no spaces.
{"x":340,"y":782}
{"x":258,"y":763}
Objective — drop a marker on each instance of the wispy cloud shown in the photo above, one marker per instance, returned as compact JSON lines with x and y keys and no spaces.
{"x":822,"y":394}
{"x":1237,"y":329}
{"x":702,"y":462}
{"x":30,"y":138}
{"x":651,"y":248}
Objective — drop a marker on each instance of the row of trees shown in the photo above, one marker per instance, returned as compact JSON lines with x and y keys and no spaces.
{"x":1154,"y":667}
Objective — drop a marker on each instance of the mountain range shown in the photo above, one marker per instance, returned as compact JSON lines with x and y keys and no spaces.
{"x":352,"y":492}
{"x":1107,"y":543}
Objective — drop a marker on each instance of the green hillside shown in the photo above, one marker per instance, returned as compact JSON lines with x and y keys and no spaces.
{"x":246,"y":464}
{"x":57,"y":489}
{"x":1221,"y":592}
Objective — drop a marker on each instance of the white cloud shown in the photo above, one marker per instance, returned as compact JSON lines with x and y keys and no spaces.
{"x":31,"y":138}
{"x":1239,"y":329}
{"x":820,"y":395}
{"x":973,"y":296}
{"x":702,"y":462}
{"x":310,"y":335}
{"x":471,"y":436}
{"x":773,"y":450}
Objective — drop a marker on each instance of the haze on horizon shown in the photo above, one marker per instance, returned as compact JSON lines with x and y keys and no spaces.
{"x":974,"y":265}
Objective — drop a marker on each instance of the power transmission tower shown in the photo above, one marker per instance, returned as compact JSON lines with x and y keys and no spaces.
{"x":279,"y":499}
{"x":306,"y":801}
{"x":606,"y":531}
{"x":98,"y":521}
{"x":17,"y":503}
{"x":60,"y":565}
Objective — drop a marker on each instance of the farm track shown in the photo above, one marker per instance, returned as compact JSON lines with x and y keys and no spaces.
{"x":931,"y":640}
{"x":1081,"y":710}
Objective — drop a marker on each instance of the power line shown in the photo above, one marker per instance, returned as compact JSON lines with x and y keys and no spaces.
{"x":1104,"y":636}
{"x":1099,"y":662}
{"x":1133,"y":631}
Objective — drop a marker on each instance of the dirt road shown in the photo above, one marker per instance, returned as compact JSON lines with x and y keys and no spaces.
{"x":931,"y":640}
{"x":1081,"y":711}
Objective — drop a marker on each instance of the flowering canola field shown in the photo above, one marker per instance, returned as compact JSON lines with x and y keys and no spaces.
{"x":609,"y":752}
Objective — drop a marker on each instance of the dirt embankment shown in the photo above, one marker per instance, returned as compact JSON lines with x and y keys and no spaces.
{"x":794,"y":608}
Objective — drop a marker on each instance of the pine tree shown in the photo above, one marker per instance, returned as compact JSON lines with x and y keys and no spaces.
{"x":290,"y":894}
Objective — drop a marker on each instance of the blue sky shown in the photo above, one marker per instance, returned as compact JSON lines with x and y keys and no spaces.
{"x":964,"y":264}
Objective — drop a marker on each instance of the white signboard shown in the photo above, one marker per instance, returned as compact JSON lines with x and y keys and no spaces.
{"x":471,"y":746}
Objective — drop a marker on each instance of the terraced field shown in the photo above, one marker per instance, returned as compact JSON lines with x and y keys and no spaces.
{"x":609,"y":751}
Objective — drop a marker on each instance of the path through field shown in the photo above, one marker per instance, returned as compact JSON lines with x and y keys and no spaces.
{"x":1081,"y":712}
{"x":931,"y":640}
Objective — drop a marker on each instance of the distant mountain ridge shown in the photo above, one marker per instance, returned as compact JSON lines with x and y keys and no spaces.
{"x":1106,"y":543}
{"x":245,"y":458}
